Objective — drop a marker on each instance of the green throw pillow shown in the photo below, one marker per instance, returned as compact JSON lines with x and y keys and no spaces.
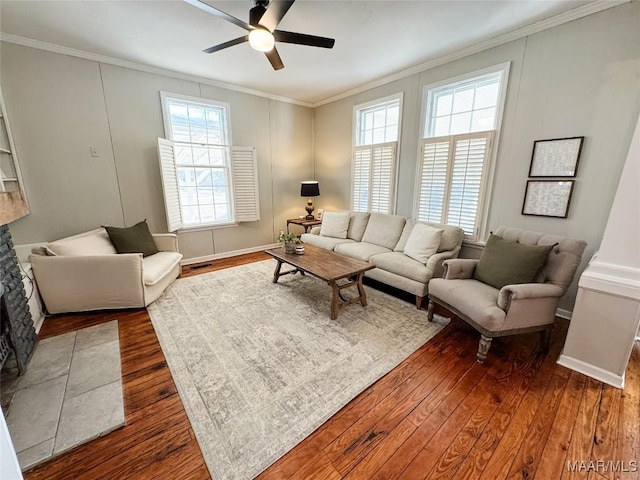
{"x":136,"y":239}
{"x":504,"y":262}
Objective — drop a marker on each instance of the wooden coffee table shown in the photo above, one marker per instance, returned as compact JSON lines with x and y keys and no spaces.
{"x":328,"y":266}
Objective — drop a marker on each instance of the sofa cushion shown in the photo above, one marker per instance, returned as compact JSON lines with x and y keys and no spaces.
{"x":94,"y":242}
{"x":135,"y":239}
{"x":335,"y":224}
{"x":475,"y":300}
{"x":400,"y":264}
{"x":452,"y":236}
{"x":504,"y":262}
{"x":155,"y":267}
{"x":357,"y":225}
{"x":384,"y":230}
{"x":325,"y":242}
{"x":423,"y":242}
{"x":360,"y":250}
{"x":406,"y":231}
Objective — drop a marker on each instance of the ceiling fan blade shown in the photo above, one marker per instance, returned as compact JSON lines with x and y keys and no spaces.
{"x":303,"y":39}
{"x":228,"y":44}
{"x":274,"y":58}
{"x":275,"y":12}
{"x":219,"y":13}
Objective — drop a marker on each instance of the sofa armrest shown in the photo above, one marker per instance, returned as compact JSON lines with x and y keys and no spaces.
{"x":435,"y":262}
{"x":315,"y":230}
{"x":91,"y":282}
{"x":512,"y":293}
{"x":459,"y":268}
{"x":166,"y":242}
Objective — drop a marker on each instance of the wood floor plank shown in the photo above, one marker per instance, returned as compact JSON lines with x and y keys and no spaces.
{"x":140,"y":457}
{"x":581,"y":444}
{"x":384,"y":450}
{"x":444,"y":409}
{"x":606,"y":435}
{"x":513,"y":387}
{"x":629,"y":418}
{"x":319,"y":468}
{"x":451,"y":459}
{"x":554,"y":455}
{"x":504,"y":454}
{"x":426,"y":459}
{"x":351,"y":446}
{"x":530,"y":452}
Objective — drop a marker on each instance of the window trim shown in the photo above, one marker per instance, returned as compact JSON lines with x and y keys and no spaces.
{"x":239,"y":158}
{"x":169,"y":136}
{"x":187,"y":98}
{"x":356,"y":125}
{"x":485,"y":198}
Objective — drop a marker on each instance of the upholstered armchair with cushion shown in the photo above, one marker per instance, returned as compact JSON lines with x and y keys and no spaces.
{"x":514,"y":288}
{"x":85,"y":272}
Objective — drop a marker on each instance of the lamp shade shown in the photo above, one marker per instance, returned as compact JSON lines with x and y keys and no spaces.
{"x":309,"y":189}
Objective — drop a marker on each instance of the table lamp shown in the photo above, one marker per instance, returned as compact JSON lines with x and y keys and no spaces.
{"x":309,"y":189}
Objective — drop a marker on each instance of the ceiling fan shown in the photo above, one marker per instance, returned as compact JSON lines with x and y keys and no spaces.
{"x":264,"y":17}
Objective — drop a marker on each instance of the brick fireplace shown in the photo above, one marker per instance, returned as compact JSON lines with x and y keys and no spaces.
{"x":17,"y":333}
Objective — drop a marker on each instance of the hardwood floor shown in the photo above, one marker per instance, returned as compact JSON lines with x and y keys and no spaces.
{"x":439,"y":414}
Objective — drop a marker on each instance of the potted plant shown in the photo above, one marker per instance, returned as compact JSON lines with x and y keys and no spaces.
{"x":289,"y":240}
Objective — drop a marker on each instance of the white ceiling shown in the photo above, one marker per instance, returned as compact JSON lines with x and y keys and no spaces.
{"x":374,"y":39}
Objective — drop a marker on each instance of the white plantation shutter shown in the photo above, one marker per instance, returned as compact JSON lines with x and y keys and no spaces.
{"x":245,"y":184}
{"x":382,"y":177}
{"x":166,"y":156}
{"x":373,"y":177}
{"x":469,"y":159}
{"x":433,"y":179}
{"x":452,"y":180}
{"x":361,"y":175}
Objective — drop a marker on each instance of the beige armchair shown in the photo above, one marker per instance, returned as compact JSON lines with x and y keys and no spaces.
{"x":84,"y":272}
{"x":513,"y":309}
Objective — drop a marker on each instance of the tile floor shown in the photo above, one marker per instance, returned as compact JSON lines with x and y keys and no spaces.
{"x":71,"y":393}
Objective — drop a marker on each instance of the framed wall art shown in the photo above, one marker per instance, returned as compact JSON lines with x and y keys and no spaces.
{"x":557,"y":157}
{"x":547,"y":198}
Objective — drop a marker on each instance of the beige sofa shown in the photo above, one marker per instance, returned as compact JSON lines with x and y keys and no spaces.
{"x":381,"y":239}
{"x":84,"y":272}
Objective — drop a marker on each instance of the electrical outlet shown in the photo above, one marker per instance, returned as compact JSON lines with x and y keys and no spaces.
{"x":94,"y":152}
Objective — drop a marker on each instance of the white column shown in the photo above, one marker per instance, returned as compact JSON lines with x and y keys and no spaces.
{"x":606,"y":316}
{"x":9,"y":467}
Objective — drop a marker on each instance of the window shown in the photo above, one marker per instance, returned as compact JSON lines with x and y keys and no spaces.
{"x":376,"y":132}
{"x":206,"y":181}
{"x":460,"y":120}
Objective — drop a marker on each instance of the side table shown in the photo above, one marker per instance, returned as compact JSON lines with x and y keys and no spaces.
{"x":307,"y":224}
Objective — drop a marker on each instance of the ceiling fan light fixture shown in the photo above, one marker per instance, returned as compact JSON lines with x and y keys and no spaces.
{"x":261,"y":39}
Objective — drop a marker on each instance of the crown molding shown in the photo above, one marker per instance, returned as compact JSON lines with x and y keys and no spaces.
{"x":580,"y":12}
{"x":588,"y":9}
{"x":72,"y":52}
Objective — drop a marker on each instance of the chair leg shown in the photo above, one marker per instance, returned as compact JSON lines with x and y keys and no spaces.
{"x":419,"y":302}
{"x":545,"y":339}
{"x":483,"y":348}
{"x":430,"y":308}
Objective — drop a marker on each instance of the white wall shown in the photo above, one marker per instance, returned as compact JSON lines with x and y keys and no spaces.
{"x":60,"y":106}
{"x":580,"y":78}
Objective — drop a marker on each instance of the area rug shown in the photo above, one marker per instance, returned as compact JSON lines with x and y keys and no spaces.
{"x":259,"y":366}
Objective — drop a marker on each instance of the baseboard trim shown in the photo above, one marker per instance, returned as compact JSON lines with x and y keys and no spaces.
{"x":562,"y":313}
{"x":592,"y":371}
{"x":232,"y":253}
